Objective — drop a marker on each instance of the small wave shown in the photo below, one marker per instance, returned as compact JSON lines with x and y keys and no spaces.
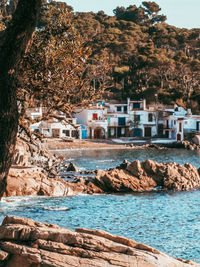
{"x":106,"y":160}
{"x":57,"y":208}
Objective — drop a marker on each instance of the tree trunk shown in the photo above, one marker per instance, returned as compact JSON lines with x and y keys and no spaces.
{"x":15,"y":41}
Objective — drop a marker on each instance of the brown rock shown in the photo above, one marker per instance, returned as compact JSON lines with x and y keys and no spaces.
{"x":33,"y":181}
{"x":122,"y":181}
{"x":136,"y":169}
{"x":27,"y":243}
{"x":145,"y":176}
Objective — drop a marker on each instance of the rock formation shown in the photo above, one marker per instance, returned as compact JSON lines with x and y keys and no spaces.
{"x":145,"y":176}
{"x":24,"y":242}
{"x":35,"y":172}
{"x":25,"y":181}
{"x":196,"y":140}
{"x":129,"y":177}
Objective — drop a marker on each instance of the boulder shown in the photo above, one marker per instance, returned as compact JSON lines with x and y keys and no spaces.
{"x":146,"y":176}
{"x":196,"y":139}
{"x":34,"y":181}
{"x":27,"y":243}
{"x":122,"y":181}
{"x":71,"y":167}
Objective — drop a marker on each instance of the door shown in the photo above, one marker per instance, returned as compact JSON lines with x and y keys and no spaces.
{"x":119,"y":132}
{"x":147,"y":131}
{"x":137,"y":132}
{"x":56,"y":133}
{"x":99,"y":133}
{"x":173,"y":135}
{"x":178,"y":137}
{"x":84,"y":134}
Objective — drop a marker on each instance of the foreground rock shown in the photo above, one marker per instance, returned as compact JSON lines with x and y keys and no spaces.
{"x":35,"y":172}
{"x":28,"y":243}
{"x":146,"y":176}
{"x":34,"y":181}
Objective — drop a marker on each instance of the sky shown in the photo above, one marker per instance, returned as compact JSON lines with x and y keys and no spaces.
{"x":180,"y":13}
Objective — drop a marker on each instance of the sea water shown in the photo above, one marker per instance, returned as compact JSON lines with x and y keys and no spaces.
{"x":168,"y":221}
{"x":105,"y":159}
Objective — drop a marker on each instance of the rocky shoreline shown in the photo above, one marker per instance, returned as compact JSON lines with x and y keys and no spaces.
{"x":129,"y":177}
{"x":27,"y":243}
{"x":36,"y":173}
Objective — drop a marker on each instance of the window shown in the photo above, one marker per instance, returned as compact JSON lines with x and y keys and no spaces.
{"x":136,"y":117}
{"x":74,"y":133}
{"x":119,"y":108}
{"x":150,"y":117}
{"x":123,"y":131}
{"x":136,"y":105}
{"x":121,"y":121}
{"x":180,"y":127}
{"x":94,"y":116}
{"x":66,"y":132}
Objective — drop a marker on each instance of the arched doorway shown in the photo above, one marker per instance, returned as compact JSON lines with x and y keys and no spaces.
{"x":179,"y":137}
{"x":99,"y":133}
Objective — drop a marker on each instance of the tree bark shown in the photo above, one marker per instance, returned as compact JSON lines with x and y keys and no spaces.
{"x":15,"y":41}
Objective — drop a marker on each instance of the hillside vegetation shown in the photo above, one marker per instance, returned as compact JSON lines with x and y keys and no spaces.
{"x":147,"y":57}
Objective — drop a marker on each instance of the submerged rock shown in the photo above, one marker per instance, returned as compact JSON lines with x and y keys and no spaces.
{"x":71,"y":167}
{"x":27,"y":243}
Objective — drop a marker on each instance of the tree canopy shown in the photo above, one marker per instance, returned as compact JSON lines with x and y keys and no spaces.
{"x":147,"y":55}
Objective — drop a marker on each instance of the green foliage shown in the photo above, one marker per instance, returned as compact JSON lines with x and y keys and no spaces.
{"x":57,"y":72}
{"x":146,"y":54}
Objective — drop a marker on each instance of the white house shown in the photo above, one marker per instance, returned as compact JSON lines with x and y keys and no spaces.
{"x":117,"y":117}
{"x":34,"y":113}
{"x":192,"y":124}
{"x":94,"y":118}
{"x":60,"y":129}
{"x":179,"y":122}
{"x":114,"y":120}
{"x":143,"y":120}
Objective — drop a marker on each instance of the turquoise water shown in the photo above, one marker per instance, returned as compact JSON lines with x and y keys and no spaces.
{"x":104,"y":159}
{"x":168,"y":221}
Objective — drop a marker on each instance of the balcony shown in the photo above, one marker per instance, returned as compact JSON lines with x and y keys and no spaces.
{"x":97,"y":123}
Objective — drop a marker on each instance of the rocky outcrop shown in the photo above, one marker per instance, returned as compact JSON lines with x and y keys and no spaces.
{"x":189,"y":145}
{"x":71,"y":167}
{"x":36,"y":154}
{"x":129,"y":177}
{"x":34,"y":181}
{"x":146,"y":176}
{"x":24,"y":242}
{"x":196,"y":140}
{"x":35,"y":172}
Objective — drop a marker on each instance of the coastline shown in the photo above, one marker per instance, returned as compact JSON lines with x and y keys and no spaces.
{"x":59,"y":144}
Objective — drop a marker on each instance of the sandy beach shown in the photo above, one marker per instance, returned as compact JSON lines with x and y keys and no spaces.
{"x":60,"y":144}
